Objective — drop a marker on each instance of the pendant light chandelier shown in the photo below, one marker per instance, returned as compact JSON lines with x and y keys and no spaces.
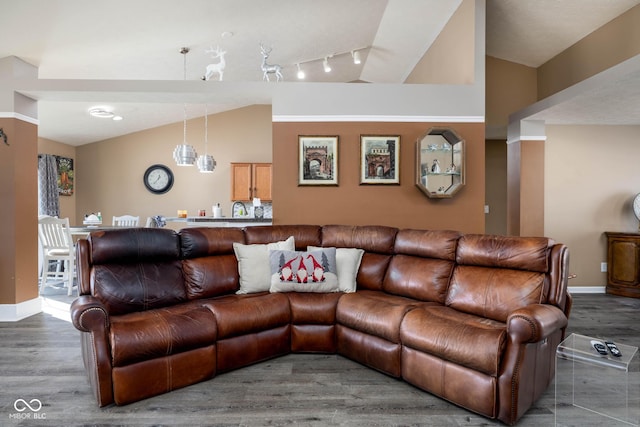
{"x":184,"y":154}
{"x":206,"y":162}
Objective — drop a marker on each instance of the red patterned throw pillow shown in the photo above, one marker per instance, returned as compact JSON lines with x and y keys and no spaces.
{"x":312,"y":271}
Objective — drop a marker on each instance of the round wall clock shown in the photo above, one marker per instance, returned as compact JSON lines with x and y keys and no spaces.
{"x":636,"y":206}
{"x":158,"y":179}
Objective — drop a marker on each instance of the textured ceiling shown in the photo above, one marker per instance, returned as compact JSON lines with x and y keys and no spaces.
{"x":532,"y":32}
{"x":140,"y":40}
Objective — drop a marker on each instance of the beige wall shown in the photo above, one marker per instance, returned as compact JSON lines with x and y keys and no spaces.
{"x":450,"y":58}
{"x":109,"y":173}
{"x":403,"y":205}
{"x":67,"y":203}
{"x":591,"y":177}
{"x":607,"y":46}
{"x":496,"y":186}
{"x":19,"y":213}
{"x":509,"y":87}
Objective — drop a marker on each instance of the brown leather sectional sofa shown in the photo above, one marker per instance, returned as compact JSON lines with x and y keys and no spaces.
{"x":474,"y":319}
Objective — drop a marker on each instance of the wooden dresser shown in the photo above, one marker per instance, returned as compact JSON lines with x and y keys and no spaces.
{"x":623,"y":264}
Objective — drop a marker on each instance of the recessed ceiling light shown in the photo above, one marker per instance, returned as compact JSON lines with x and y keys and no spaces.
{"x":117,"y":118}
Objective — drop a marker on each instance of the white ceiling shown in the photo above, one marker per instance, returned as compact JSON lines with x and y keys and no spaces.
{"x":141,"y":40}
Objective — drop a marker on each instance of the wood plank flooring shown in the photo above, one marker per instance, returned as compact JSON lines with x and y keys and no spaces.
{"x":40,"y":359}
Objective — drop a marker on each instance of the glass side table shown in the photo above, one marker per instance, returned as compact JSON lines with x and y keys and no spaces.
{"x":591,"y":389}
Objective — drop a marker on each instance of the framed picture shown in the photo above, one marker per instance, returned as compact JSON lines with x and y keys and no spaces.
{"x":318,"y":160}
{"x":65,"y":175}
{"x":379,"y":159}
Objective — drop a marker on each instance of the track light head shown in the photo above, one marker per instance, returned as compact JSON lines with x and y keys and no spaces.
{"x":325,"y":65}
{"x":356,"y":57}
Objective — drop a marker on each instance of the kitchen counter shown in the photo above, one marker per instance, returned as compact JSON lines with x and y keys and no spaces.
{"x":209,"y":221}
{"x":223,"y":219}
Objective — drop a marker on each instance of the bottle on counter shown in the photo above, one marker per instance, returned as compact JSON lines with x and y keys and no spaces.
{"x":217,"y":211}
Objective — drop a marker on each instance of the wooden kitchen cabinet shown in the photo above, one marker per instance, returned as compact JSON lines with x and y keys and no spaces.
{"x":249,"y":180}
{"x":623,"y":264}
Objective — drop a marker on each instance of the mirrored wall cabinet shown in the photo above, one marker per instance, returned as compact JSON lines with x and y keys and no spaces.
{"x":440,"y":163}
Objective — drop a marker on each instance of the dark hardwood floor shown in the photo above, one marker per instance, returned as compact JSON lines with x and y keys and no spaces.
{"x":40,"y":359}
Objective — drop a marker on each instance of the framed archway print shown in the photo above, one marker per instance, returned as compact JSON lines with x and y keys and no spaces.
{"x":317,"y":160}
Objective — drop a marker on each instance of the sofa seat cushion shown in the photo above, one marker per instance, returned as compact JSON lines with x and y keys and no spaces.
{"x":312,"y":308}
{"x":374,"y":312}
{"x":160,"y":332}
{"x":249,"y":313}
{"x":465,"y":339}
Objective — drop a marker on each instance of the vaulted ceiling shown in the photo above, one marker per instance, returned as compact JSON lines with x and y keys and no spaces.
{"x":141,"y":40}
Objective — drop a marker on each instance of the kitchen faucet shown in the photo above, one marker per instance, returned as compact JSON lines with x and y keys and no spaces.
{"x":241,"y":206}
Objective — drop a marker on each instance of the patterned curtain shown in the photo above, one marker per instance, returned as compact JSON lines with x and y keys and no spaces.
{"x":48,"y":203}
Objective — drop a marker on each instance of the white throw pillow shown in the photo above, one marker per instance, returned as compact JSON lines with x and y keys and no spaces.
{"x":253,"y":264}
{"x":348,"y":262}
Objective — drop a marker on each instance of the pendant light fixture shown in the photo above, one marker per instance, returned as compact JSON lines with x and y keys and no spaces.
{"x":206,"y":162}
{"x":184,"y":154}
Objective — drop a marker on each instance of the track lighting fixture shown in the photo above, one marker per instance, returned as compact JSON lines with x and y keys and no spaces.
{"x":325,"y":65}
{"x":356,"y":57}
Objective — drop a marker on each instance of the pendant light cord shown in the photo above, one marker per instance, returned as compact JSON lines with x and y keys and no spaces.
{"x":184,"y":130}
{"x":184,"y":52}
{"x":206,"y":129}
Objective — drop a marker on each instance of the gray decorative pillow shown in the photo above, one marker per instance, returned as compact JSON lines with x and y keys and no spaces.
{"x":311,"y":271}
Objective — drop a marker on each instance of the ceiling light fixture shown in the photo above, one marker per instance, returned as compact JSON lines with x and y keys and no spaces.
{"x":206,"y":162}
{"x":356,"y":57}
{"x":325,"y":65}
{"x":101,"y":112}
{"x":184,"y":154}
{"x":301,"y":74}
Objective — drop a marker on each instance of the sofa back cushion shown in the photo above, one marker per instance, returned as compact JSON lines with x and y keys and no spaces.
{"x":136,"y":269}
{"x":496,"y":275}
{"x":204,"y":241}
{"x":303,"y":235}
{"x":378,"y":243}
{"x":423,"y":264}
{"x":521,"y":253}
{"x":210,"y":266}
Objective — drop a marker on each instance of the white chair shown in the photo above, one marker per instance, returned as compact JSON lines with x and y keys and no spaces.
{"x":57,"y":245}
{"x":126,"y":221}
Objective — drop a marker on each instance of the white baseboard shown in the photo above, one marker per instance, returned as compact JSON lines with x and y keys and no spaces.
{"x":15,"y":312}
{"x":587,"y":289}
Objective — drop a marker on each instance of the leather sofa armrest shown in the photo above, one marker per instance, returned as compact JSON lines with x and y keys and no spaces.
{"x":535,"y":322}
{"x":89,"y":314}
